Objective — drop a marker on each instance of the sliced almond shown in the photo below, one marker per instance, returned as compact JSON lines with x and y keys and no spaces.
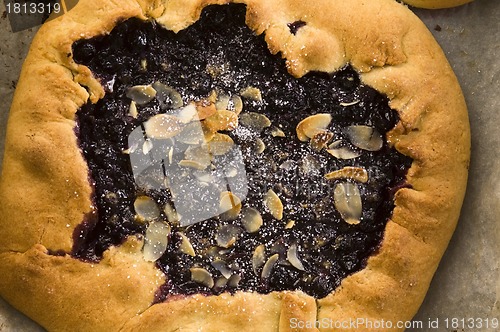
{"x":235,"y":104}
{"x":276,"y":132}
{"x":350,"y":104}
{"x":356,"y":173}
{"x":364,"y":137}
{"x":347,"y":199}
{"x":229,"y":206}
{"x":188,"y":113}
{"x":221,"y":144}
{"x":205,"y":109}
{"x":155,"y":241}
{"x":252,"y":220}
{"x":258,"y":258}
{"x":274,"y":204}
{"x":132,"y":110}
{"x":220,"y":282}
{"x":163,"y":126}
{"x":227,"y":235}
{"x":186,"y":246}
{"x":171,"y":214}
{"x":192,"y":164}
{"x":234,"y":281}
{"x":202,"y":276}
{"x":141,"y":94}
{"x":313,"y":124}
{"x":221,"y":120}
{"x":147,"y":146}
{"x":146,"y":208}
{"x":259,"y":146}
{"x":321,"y":139}
{"x":192,"y":134}
{"x":343,"y":153}
{"x":252,"y":93}
{"x":222,"y":102}
{"x":221,"y":266}
{"x":268,"y":267}
{"x":290,"y":224}
{"x":291,"y":256}
{"x":255,"y":121}
{"x":339,"y":152}
{"x":167,"y":95}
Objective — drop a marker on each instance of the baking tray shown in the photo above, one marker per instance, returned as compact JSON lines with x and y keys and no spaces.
{"x":465,"y":292}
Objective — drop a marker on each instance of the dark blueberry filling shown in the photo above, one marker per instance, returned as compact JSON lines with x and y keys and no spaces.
{"x":220,"y":53}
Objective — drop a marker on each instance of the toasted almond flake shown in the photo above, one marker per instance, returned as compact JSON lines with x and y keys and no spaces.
{"x":234,"y":281}
{"x":132,"y":110}
{"x":231,"y":172}
{"x":273,"y":203}
{"x":321,"y":139}
{"x":222,"y":102}
{"x":199,"y":154}
{"x":311,"y":125}
{"x":163,"y":126}
{"x":350,"y":104}
{"x":235,"y":104}
{"x":204,"y":176}
{"x":258,"y":258}
{"x":141,"y":94}
{"x":170,"y":155}
{"x":255,"y":121}
{"x":252,"y":93}
{"x":220,"y":144}
{"x":220,"y":282}
{"x":186,"y":246}
{"x":252,"y":220}
{"x":171,"y":214}
{"x":205,"y":109}
{"x":259,"y":146}
{"x":187,"y":113}
{"x":202,"y":276}
{"x":221,"y":120}
{"x":290,"y":224}
{"x":146,"y":208}
{"x":276,"y":132}
{"x":192,"y":134}
{"x":147,"y":146}
{"x":309,"y":165}
{"x":192,"y":164}
{"x":341,"y":152}
{"x":131,"y":149}
{"x":221,"y":266}
{"x":155,"y":240}
{"x":227,"y":235}
{"x":268,"y":267}
{"x":229,"y":206}
{"x":144,"y":64}
{"x":167,"y":95}
{"x":356,"y":173}
{"x":364,"y":137}
{"x":292,"y":257}
{"x":347,"y":200}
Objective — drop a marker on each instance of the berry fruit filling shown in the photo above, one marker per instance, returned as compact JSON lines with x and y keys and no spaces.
{"x":237,"y":175}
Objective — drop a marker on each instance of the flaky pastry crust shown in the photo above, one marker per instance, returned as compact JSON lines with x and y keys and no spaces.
{"x":45,"y":191}
{"x":436,"y":4}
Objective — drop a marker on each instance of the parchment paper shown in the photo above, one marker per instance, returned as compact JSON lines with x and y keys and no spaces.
{"x":467,"y":283}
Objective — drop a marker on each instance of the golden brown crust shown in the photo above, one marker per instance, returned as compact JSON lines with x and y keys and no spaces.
{"x":45,"y":192}
{"x":436,"y":4}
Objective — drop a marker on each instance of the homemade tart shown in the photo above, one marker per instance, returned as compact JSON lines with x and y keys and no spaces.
{"x":202,"y":165}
